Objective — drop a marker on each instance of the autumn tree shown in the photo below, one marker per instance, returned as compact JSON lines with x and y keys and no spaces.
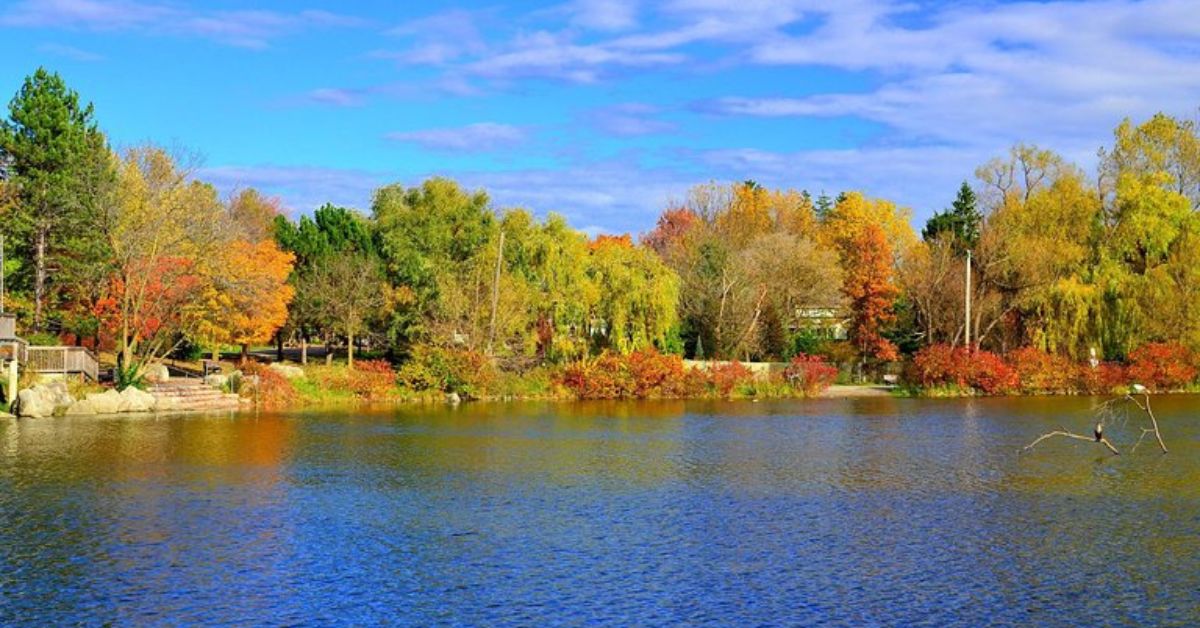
{"x":246,"y":294}
{"x":871,"y":293}
{"x":161,"y":225}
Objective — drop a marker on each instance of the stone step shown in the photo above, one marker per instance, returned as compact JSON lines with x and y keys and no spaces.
{"x":182,"y":394}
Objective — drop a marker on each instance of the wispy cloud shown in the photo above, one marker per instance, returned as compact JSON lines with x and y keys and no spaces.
{"x":253,"y":29}
{"x":70,"y":52}
{"x":630,"y":120}
{"x":336,"y":97}
{"x":302,"y":188}
{"x":472,"y":138}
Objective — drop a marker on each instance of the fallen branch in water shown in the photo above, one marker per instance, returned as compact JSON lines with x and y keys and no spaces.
{"x":1063,"y":432}
{"x":1105,"y":409}
{"x":1153,"y":421}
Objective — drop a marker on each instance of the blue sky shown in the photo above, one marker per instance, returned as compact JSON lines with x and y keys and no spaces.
{"x":608,"y":110}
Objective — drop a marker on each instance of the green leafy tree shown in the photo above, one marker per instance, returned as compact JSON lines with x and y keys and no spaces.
{"x":50,"y":142}
{"x":427,"y":236}
{"x":961,"y":222}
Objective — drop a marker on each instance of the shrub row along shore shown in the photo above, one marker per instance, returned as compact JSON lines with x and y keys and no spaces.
{"x":936,"y":371}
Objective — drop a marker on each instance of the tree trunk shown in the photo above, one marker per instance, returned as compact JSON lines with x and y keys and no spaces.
{"x":245,"y":353}
{"x":39,"y":278}
{"x":303,"y":348}
{"x":216,"y":353}
{"x":278,"y":346}
{"x":328,"y":350}
{"x":350,"y":349}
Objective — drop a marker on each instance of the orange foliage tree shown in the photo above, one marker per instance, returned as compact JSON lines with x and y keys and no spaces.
{"x":246,"y":298}
{"x":869,"y":288}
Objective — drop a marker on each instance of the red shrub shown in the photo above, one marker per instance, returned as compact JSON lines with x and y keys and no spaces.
{"x":1040,"y":372}
{"x":991,"y":375}
{"x":726,"y":376}
{"x":1162,"y":366}
{"x":942,"y":365}
{"x":1102,"y":380}
{"x":810,"y":374}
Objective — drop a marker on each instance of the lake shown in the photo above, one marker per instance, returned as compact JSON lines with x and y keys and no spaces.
{"x":873,"y":511}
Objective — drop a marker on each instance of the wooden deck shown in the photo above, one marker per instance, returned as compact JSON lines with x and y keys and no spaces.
{"x":50,"y":360}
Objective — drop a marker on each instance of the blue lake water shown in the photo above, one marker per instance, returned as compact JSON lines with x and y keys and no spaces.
{"x":830,"y":512}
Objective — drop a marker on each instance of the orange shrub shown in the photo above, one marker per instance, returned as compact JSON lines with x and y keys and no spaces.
{"x":372,"y":380}
{"x":641,"y":374}
{"x":1040,"y":372}
{"x":809,"y":374}
{"x":1162,"y":366}
{"x":271,"y":389}
{"x":655,"y":374}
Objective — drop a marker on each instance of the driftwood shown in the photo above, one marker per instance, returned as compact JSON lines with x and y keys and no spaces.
{"x":1063,"y":432}
{"x":1105,"y":409}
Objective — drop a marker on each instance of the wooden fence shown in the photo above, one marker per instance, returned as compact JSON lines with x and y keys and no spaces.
{"x":65,"y":360}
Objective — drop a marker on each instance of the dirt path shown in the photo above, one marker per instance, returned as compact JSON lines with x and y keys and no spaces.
{"x":844,"y":392}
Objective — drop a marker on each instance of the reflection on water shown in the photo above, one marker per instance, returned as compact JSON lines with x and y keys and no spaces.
{"x":862,"y":511}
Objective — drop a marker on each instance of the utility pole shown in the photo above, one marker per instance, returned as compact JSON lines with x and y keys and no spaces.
{"x":1,"y":273}
{"x":967,"y":319}
{"x":496,"y":294}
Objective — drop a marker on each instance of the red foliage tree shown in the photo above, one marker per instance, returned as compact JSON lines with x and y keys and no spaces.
{"x":672,"y":227}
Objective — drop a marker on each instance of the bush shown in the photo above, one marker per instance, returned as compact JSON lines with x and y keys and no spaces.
{"x":726,"y":376}
{"x":809,"y":374}
{"x":431,"y":368}
{"x":1039,"y":372}
{"x":271,"y":389}
{"x":654,"y":374}
{"x":649,"y":374}
{"x":603,"y":377}
{"x":1105,"y":379}
{"x":1162,"y":366}
{"x":372,"y":380}
{"x":940,"y":366}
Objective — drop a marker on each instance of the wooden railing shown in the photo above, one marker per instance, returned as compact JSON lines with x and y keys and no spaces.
{"x":65,"y":360}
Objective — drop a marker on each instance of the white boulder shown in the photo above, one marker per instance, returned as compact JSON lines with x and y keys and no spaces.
{"x":134,"y":400}
{"x":107,"y":402}
{"x":288,"y":371}
{"x":43,"y":400}
{"x":83,"y":407}
{"x":156,"y":373}
{"x":33,"y":404}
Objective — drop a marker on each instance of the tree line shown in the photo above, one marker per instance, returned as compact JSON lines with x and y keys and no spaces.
{"x":130,"y":251}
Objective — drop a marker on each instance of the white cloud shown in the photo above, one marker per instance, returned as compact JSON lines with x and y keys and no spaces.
{"x":70,"y":52}
{"x":604,"y":15}
{"x":241,"y":28}
{"x":472,"y":138}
